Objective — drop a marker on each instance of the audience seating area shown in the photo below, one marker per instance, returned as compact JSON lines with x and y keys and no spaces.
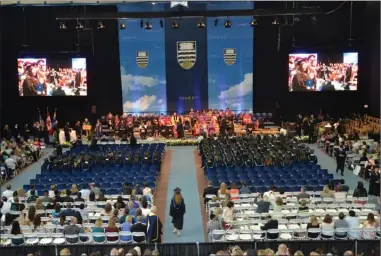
{"x":109,"y":175}
{"x":292,"y":224}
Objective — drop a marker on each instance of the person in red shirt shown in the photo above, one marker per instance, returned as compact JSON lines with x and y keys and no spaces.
{"x":111,"y":228}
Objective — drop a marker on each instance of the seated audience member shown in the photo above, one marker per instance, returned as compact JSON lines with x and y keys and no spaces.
{"x":270,"y":224}
{"x":269,"y":252}
{"x":6,"y":205}
{"x":31,"y":188}
{"x":46,"y":198}
{"x":228,"y":212}
{"x":84,"y":212}
{"x":263,"y":205}
{"x":233,"y":192}
{"x":342,"y":187}
{"x":348,"y":253}
{"x":72,"y":229}
{"x":39,"y":204}
{"x":298,"y":253}
{"x":107,"y":211}
{"x":127,"y":189}
{"x":74,"y":190}
{"x":271,"y":195}
{"x":33,"y":197}
{"x":85,"y":191}
{"x":119,"y":200}
{"x":37,"y":227}
{"x":126,"y":226}
{"x":278,"y":205}
{"x":282,"y":250}
{"x":244,"y":189}
{"x":98,"y":228}
{"x":315,"y":254}
{"x":145,"y":209}
{"x":56,"y":213}
{"x":79,"y":198}
{"x":353,"y":222}
{"x":369,"y":223}
{"x":101,"y":197}
{"x":68,"y":198}
{"x":341,"y":223}
{"x":124,"y":216}
{"x":313,"y":224}
{"x":65,"y":252}
{"x":131,"y":207}
{"x":114,"y":252}
{"x":209,"y":190}
{"x":68,"y":211}
{"x":303,"y":194}
{"x":212,"y":225}
{"x":16,"y":205}
{"x":52,"y":190}
{"x":95,"y":188}
{"x":8,"y":193}
{"x":327,"y":193}
{"x":57,"y":197}
{"x":16,"y":230}
{"x":92,"y":197}
{"x":303,"y":208}
{"x":139,"y":227}
{"x":111,"y":228}
{"x":31,"y":214}
{"x":155,"y":253}
{"x":218,"y":212}
{"x":146,"y":191}
{"x":327,"y":224}
{"x":223,"y":192}
{"x":360,"y":191}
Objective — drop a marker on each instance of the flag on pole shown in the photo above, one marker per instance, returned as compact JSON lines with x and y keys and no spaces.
{"x":42,"y":123}
{"x":49,"y":127}
{"x":54,"y":118}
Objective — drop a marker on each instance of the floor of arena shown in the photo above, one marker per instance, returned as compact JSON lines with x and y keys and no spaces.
{"x":181,"y":168}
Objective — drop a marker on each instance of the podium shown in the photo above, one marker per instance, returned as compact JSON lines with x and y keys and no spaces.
{"x":87,"y":129}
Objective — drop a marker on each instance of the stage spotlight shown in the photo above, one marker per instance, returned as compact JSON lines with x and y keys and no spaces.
{"x":141,"y":23}
{"x":314,"y":20}
{"x":227,"y":24}
{"x":79,"y":25}
{"x":201,"y":24}
{"x":100,"y":25}
{"x":161,"y":23}
{"x":175,"y":24}
{"x":253,"y":22}
{"x":122,"y":25}
{"x":216,"y":22}
{"x":276,"y":21}
{"x":63,"y":26}
{"x":148,"y":25}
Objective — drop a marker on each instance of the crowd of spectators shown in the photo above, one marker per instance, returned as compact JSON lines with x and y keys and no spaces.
{"x":282,"y":250}
{"x":15,"y":154}
{"x":136,"y":251}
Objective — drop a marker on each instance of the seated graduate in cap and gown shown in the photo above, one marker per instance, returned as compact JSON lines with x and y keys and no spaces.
{"x":177,"y":211}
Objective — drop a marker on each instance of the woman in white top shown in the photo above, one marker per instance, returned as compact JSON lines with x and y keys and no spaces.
{"x":277,"y":205}
{"x":327,"y":223}
{"x":52,"y":190}
{"x":228,"y":212}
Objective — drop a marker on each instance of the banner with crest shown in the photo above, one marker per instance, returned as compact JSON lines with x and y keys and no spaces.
{"x":186,"y":54}
{"x":230,"y":56}
{"x":142,"y":59}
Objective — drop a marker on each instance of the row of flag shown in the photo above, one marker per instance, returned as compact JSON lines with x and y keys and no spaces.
{"x":49,"y":122}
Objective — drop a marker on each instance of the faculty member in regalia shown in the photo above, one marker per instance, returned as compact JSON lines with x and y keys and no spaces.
{"x":177,"y":211}
{"x":154,"y":227}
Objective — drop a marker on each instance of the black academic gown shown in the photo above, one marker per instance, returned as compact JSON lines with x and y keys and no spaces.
{"x":177,"y":212}
{"x":374,"y":187}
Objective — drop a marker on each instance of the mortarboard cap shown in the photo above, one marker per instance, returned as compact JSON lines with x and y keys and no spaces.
{"x":177,"y":190}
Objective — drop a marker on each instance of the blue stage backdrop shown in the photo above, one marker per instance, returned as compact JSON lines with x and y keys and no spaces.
{"x":142,"y":63}
{"x":186,"y":63}
{"x":230,"y":60}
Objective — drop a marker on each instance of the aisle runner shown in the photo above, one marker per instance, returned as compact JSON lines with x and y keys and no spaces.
{"x":183,"y":175}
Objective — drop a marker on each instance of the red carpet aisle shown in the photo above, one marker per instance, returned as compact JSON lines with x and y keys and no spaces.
{"x":161,"y":190}
{"x":201,"y":182}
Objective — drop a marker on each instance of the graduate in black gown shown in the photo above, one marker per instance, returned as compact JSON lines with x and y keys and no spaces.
{"x":374,"y":182}
{"x":177,"y":211}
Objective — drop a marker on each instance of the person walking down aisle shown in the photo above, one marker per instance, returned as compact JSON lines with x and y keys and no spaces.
{"x":177,"y":211}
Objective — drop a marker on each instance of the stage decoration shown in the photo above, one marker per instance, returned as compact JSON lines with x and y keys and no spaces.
{"x":179,"y":3}
{"x":186,"y":54}
{"x":302,"y":138}
{"x":142,"y":59}
{"x":230,"y":56}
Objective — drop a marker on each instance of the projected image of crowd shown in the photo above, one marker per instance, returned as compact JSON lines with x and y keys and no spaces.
{"x":307,"y":74}
{"x":38,"y":79}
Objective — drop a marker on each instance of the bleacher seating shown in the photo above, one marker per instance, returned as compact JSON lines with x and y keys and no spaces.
{"x":110,"y":176}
